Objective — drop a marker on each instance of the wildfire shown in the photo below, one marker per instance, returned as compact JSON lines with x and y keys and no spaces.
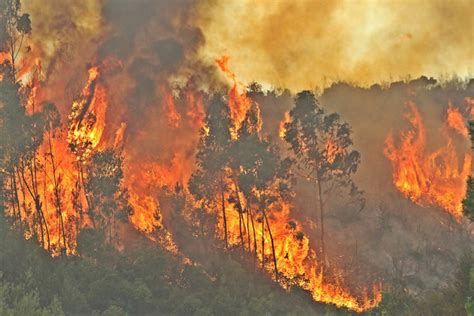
{"x":51,"y":191}
{"x":170,"y":107}
{"x":195,"y":108}
{"x":429,"y":177}
{"x":455,"y":120}
{"x":296,"y":261}
{"x":87,"y":118}
{"x":332,"y":150}
{"x":282,"y":128}
{"x":239,"y":103}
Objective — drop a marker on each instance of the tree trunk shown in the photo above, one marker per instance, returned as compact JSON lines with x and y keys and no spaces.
{"x":33,"y":191}
{"x":248,"y":229}
{"x":57,"y":202}
{"x":254,"y":235}
{"x":16,"y":202}
{"x":223,"y":214}
{"x":321,"y":219}
{"x":263,"y":242}
{"x":89,"y":203}
{"x":17,"y":199}
{"x":273,"y":246}
{"x":241,"y":216}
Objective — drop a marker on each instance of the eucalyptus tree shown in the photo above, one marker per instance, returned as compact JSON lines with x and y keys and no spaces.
{"x":208,"y":183}
{"x":322,"y":148}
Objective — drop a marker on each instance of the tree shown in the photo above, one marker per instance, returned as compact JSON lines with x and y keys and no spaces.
{"x":13,"y":28}
{"x":321,"y":144}
{"x":22,"y":133}
{"x":207,"y":184}
{"x":52,"y":124}
{"x":468,"y":202}
{"x":261,"y":176}
{"x":103,"y":185}
{"x":21,"y":136}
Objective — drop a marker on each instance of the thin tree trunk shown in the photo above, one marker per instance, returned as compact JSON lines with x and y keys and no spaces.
{"x":254,"y":234}
{"x":33,"y":191}
{"x":89,"y":204}
{"x":273,"y":246}
{"x":224,"y":214}
{"x":46,"y":207}
{"x":57,"y":196}
{"x":263,"y":242}
{"x":248,"y":229}
{"x":321,"y":213}
{"x":17,"y":199}
{"x":241,"y":217}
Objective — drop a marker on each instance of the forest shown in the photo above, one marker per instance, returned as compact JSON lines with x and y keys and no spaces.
{"x":138,"y":179}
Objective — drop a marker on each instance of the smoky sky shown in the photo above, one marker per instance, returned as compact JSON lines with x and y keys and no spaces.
{"x":311,"y":44}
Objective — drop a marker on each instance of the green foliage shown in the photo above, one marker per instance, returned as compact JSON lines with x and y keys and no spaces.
{"x":107,"y":197}
{"x":468,"y":202}
{"x":212,"y":155}
{"x":145,"y":281}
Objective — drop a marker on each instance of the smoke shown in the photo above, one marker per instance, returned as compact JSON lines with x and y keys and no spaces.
{"x":151,"y":53}
{"x":307,"y":44}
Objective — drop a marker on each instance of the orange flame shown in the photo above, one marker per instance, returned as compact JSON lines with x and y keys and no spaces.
{"x":169,"y":106}
{"x":296,"y":261}
{"x":282,"y":128}
{"x":87,"y":118}
{"x":456,"y":121}
{"x":239,"y":103}
{"x":428,"y":178}
{"x":61,"y":200}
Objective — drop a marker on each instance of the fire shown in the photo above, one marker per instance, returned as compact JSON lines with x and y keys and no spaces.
{"x":55,"y":189}
{"x":429,"y":177}
{"x":195,"y":108}
{"x":469,"y":105}
{"x":87,"y":118}
{"x":170,"y":107}
{"x":296,"y":261}
{"x":282,"y":128}
{"x":239,"y":103}
{"x":332,"y":149}
{"x":456,"y":121}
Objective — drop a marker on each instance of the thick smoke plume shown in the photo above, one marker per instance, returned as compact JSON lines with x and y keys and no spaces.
{"x":156,"y":63}
{"x":307,"y":44}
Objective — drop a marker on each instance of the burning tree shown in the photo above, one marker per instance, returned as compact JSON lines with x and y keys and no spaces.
{"x":322,"y":145}
{"x":108,"y":199}
{"x":261,"y":179}
{"x":22,"y":136}
{"x":212,"y":159}
{"x":13,"y":28}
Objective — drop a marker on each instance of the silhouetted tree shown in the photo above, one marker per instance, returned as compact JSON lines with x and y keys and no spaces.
{"x":468,"y":202}
{"x":52,"y":123}
{"x":207,"y":184}
{"x":261,"y":176}
{"x":103,"y":185}
{"x":321,"y":144}
{"x":13,"y":28}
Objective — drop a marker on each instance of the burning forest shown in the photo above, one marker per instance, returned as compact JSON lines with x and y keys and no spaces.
{"x":211,"y":157}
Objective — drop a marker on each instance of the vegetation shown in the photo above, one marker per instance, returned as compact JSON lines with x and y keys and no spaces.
{"x":145,"y":281}
{"x":468,"y":202}
{"x":321,"y":144}
{"x":245,"y":171}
